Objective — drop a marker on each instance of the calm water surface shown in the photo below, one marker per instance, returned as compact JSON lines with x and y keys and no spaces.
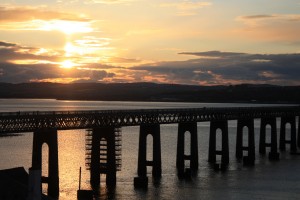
{"x":266,"y":180}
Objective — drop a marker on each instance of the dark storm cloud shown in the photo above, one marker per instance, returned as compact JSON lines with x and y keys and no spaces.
{"x":217,"y":67}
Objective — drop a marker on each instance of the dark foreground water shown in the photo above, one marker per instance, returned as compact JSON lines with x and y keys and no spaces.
{"x":266,"y":180}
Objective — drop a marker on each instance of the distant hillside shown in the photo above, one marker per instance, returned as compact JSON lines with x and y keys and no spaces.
{"x":152,"y":92}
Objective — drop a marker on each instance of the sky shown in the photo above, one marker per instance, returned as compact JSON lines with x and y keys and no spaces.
{"x":209,"y":42}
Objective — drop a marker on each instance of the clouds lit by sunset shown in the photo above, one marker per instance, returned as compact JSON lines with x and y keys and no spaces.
{"x":173,"y":41}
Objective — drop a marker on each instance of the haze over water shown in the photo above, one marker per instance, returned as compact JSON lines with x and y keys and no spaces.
{"x":266,"y":180}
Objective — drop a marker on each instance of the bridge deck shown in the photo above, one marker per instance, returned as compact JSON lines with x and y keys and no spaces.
{"x":15,"y":122}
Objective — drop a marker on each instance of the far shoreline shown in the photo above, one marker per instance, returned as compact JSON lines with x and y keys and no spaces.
{"x":158,"y":101}
{"x":153,"y":92}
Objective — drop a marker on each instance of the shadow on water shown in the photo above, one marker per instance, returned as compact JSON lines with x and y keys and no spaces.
{"x":10,"y":135}
{"x":104,"y":192}
{"x":156,"y":181}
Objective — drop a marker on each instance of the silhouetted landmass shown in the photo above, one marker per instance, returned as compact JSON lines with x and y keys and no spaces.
{"x":153,"y":92}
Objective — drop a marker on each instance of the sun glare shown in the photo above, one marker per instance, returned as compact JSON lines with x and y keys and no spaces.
{"x":67,"y":64}
{"x":68,"y":27}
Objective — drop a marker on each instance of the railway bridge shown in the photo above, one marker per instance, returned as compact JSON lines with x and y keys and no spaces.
{"x":103,"y":136}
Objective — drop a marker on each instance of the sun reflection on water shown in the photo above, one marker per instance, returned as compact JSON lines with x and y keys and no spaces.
{"x":71,"y":157}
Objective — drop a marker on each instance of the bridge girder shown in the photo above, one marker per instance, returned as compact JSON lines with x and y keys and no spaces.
{"x":16,"y":122}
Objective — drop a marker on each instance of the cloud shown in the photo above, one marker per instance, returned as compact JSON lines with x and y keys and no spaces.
{"x":107,"y":1}
{"x":20,"y":14}
{"x":29,"y":64}
{"x":264,"y":18}
{"x":256,"y":17}
{"x":273,"y":27}
{"x":123,"y":60}
{"x":6,"y":44}
{"x":39,"y":18}
{"x":187,"y":7}
{"x":15,"y":73}
{"x":213,"y":54}
{"x":215,"y":67}
{"x":11,"y":52}
{"x":100,"y":75}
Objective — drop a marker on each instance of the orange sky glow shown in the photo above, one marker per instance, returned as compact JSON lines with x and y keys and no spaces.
{"x":179,"y":41}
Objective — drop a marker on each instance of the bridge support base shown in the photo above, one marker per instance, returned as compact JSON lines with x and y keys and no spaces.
{"x":154,"y":130}
{"x":214,"y":125}
{"x":283,"y":141}
{"x":298,"y":141}
{"x":193,"y":157}
{"x":273,"y":155}
{"x":140,"y":182}
{"x":251,"y":143}
{"x":48,"y":136}
{"x":103,"y":158}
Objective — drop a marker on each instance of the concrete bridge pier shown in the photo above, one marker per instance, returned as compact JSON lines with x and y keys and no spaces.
{"x":273,"y":154}
{"x":298,"y":141}
{"x":224,"y":152}
{"x":292,"y":141}
{"x":103,"y":156}
{"x":48,"y":136}
{"x":181,"y":157}
{"x":145,"y":130}
{"x":249,"y":123}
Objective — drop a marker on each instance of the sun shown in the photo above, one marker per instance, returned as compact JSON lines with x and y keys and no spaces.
{"x":67,"y":64}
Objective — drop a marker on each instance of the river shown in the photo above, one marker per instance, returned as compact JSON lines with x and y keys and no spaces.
{"x":266,"y":180}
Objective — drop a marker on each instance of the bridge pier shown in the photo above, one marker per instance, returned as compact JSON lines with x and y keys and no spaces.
{"x":103,"y":156}
{"x":283,"y":141}
{"x":298,"y":141}
{"x":214,"y":126}
{"x":48,"y":136}
{"x":273,"y":155}
{"x":249,"y":123}
{"x":145,"y":130}
{"x":181,"y":157}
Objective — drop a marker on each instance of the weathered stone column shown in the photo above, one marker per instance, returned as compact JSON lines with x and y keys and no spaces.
{"x":154,"y":130}
{"x":224,"y":152}
{"x":249,"y":123}
{"x":298,"y":141}
{"x":48,"y":136}
{"x":283,"y":141}
{"x":274,"y":155}
{"x":181,"y":157}
{"x":111,"y":170}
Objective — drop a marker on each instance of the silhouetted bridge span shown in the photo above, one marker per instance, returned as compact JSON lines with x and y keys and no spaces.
{"x":17,"y":122}
{"x":103,"y":136}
